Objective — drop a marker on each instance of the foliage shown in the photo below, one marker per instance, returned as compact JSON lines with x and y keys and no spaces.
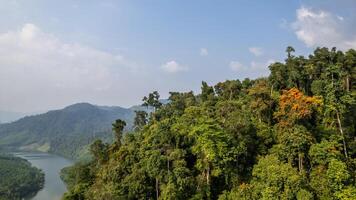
{"x":288,"y":136}
{"x":67,"y":132}
{"x":18,"y":179}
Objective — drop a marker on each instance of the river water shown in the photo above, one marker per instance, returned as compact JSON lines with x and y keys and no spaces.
{"x":51,"y":165}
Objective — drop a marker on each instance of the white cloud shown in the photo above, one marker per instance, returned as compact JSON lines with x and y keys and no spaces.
{"x":322,"y":28}
{"x":236,"y":66}
{"x":65,"y":65}
{"x":204,"y":52}
{"x":257,"y":51}
{"x":261,"y":66}
{"x":253,"y":70}
{"x":38,"y":70}
{"x":28,"y":32}
{"x":173,"y":67}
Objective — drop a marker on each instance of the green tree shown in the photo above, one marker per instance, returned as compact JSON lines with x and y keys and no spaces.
{"x":207,"y":92}
{"x":140,"y":119}
{"x":99,"y":150}
{"x":152,"y":100}
{"x":273,"y":179}
{"x":337,"y":103}
{"x":228,"y":90}
{"x":118,"y":128}
{"x":289,"y":51}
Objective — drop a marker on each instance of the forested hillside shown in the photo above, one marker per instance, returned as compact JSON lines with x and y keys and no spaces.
{"x":66,"y":132}
{"x":288,"y":136}
{"x":18,"y":179}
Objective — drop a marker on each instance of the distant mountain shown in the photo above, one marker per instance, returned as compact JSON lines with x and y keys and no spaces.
{"x":67,"y":131}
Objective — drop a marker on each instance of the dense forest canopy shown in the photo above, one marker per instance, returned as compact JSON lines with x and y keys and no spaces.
{"x":18,"y":179}
{"x":288,"y":136}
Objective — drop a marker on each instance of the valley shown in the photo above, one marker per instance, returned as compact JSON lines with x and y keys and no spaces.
{"x":66,"y":132}
{"x":19,"y":178}
{"x":50,"y":165}
{"x":177,"y":100}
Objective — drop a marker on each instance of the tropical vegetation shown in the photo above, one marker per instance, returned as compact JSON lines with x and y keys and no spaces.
{"x":287,"y":136}
{"x":18,"y":179}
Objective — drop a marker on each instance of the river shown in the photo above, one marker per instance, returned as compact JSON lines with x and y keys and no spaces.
{"x":51,"y":165}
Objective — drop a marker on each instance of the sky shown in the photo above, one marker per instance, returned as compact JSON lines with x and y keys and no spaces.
{"x":56,"y":53}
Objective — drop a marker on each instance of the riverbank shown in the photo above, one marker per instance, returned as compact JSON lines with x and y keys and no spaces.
{"x":19,"y":179}
{"x":51,"y":165}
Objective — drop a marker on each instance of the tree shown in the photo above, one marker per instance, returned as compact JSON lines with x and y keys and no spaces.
{"x":278,"y":76}
{"x":337,"y":174}
{"x":99,"y":150}
{"x":294,"y":109}
{"x":289,"y":51}
{"x":207,"y":92}
{"x":349,"y":69}
{"x":262,"y":102}
{"x":152,"y":100}
{"x":228,"y":90}
{"x":322,"y":153}
{"x":118,"y":128}
{"x":154,"y":163}
{"x":295,"y":106}
{"x":337,"y":103}
{"x":140,"y":119}
{"x":179,"y":101}
{"x":273,"y":179}
{"x":295,"y":142}
{"x":247,"y":83}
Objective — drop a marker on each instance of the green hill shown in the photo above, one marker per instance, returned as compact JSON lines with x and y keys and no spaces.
{"x":65,"y":132}
{"x":18,"y":179}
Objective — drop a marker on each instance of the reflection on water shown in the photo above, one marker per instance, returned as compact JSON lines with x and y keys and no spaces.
{"x":51,"y":165}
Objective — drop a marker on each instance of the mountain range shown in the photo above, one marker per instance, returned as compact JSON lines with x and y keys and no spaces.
{"x":66,"y":132}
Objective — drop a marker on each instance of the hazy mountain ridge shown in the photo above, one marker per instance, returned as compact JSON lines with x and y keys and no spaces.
{"x":9,"y":116}
{"x":66,"y":131}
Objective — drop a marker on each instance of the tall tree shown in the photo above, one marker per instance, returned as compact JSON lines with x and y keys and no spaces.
{"x":207,"y":92}
{"x":118,"y":128}
{"x":140,"y":119}
{"x":289,"y":51}
{"x":152,"y":100}
{"x":99,"y":150}
{"x":228,"y":90}
{"x":294,"y":109}
{"x":349,"y":69}
{"x":338,"y":103}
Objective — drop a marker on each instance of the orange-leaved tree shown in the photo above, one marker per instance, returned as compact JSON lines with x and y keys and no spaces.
{"x":295,"y":106}
{"x":293,"y":136}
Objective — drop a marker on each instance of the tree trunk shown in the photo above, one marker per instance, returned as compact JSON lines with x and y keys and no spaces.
{"x":332,"y":79}
{"x":342,"y":133}
{"x":300,"y":162}
{"x":157,"y":190}
{"x":208,"y":176}
{"x":208,"y":182}
{"x":347,"y":83}
{"x":260,"y":117}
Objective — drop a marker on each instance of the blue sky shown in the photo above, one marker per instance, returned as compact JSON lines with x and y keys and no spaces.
{"x":55,"y":53}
